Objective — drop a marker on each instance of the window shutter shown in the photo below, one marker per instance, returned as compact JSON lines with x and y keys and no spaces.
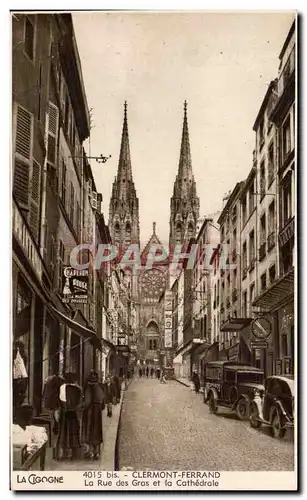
{"x":23,"y":144}
{"x":35,"y":198}
{"x":53,"y":120}
{"x":21,"y":182}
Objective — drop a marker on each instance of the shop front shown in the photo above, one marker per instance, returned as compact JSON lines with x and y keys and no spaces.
{"x":278,"y":304}
{"x":239,"y":349}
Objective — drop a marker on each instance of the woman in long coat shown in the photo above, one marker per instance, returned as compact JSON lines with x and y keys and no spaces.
{"x":196,"y":381}
{"x":68,"y":442}
{"x":94,"y":398}
{"x":116,"y":389}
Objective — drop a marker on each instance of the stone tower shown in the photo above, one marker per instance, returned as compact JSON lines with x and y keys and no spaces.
{"x":124,"y":205}
{"x":184,"y":202}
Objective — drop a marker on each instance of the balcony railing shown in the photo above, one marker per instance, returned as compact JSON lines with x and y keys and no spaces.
{"x":271,"y":241}
{"x":23,"y":235}
{"x":244,"y":272}
{"x":262,"y":251}
{"x":228,"y":303}
{"x":234,"y":295}
{"x":222,"y":308}
{"x":252,"y":264}
{"x":287,"y":232}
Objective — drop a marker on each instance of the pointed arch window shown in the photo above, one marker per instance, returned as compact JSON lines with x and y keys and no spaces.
{"x":190,"y":230}
{"x":178,"y":232}
{"x":116,"y":232}
{"x":128,"y":233}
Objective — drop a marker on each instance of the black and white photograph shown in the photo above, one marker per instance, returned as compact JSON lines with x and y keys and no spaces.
{"x":154,"y":250}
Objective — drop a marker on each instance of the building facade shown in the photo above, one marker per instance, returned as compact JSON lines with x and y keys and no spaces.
{"x":57,"y":312}
{"x":275,"y":299}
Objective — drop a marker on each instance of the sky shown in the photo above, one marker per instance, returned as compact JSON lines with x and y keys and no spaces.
{"x":221,"y":63}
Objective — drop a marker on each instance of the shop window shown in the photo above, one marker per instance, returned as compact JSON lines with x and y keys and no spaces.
{"x":284,"y":345}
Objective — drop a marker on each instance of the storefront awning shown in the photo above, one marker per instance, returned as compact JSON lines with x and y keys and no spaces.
{"x":77,"y":327}
{"x":235,"y":324}
{"x":189,"y":346}
{"x":277,"y":293}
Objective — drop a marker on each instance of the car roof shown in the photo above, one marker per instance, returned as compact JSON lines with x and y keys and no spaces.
{"x":288,"y":380}
{"x":225,"y":362}
{"x":244,"y":368}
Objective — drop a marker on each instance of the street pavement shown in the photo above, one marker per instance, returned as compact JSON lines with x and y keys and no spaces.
{"x":168,"y":427}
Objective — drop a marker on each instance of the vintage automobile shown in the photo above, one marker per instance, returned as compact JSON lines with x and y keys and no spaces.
{"x":232,"y":385}
{"x":275,"y":406}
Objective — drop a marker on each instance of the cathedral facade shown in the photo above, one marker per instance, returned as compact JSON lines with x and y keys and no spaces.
{"x":148,"y":284}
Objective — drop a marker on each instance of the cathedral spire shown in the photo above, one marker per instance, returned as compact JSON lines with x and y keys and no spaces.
{"x":184,"y":202}
{"x":124,"y":204}
{"x":185,"y":163}
{"x":124,"y":164}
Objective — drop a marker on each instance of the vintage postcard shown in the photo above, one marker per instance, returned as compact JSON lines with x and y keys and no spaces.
{"x":154,"y":322}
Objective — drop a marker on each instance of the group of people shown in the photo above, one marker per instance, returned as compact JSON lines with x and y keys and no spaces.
{"x":153,"y":372}
{"x":67,"y":400}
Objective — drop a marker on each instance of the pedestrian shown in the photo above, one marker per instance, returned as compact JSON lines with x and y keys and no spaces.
{"x":94,"y":404}
{"x":116,"y":389}
{"x":147,"y":371}
{"x":196,"y":381}
{"x":68,"y":442}
{"x":51,"y":398}
{"x":109,"y":390}
{"x":140,"y":372}
{"x":143,"y":371}
{"x":152,"y":372}
{"x":158,"y":373}
{"x":162,"y":378}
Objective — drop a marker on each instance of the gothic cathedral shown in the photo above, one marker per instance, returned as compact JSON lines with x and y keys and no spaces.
{"x":148,"y":285}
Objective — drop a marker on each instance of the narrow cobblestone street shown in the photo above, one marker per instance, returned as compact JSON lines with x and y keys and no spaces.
{"x":168,"y":427}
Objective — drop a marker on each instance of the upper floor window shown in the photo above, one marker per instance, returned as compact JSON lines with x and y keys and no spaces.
{"x":286,"y":138}
{"x":244,"y":210}
{"x":271,"y":164}
{"x":29,"y":37}
{"x":261,"y":133}
{"x":262,"y":179}
{"x":252,"y":197}
{"x":287,"y":200}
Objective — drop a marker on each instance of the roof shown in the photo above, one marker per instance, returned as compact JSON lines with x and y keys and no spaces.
{"x":286,"y":43}
{"x":289,"y":380}
{"x":230,"y":200}
{"x":264,"y":104}
{"x":245,"y":368}
{"x":154,"y":240}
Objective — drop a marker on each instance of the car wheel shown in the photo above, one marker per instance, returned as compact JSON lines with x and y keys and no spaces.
{"x":254,"y":415}
{"x":277,"y":429}
{"x":242,"y":409}
{"x":212,"y":404}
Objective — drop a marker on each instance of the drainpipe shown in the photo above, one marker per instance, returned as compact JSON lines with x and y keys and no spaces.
{"x":43,"y":243}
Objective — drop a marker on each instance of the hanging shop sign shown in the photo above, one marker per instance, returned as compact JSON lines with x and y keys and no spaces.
{"x":75,"y":290}
{"x":122,"y":339}
{"x":168,"y":301}
{"x":168,"y":339}
{"x":261,"y":328}
{"x":168,"y":319}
